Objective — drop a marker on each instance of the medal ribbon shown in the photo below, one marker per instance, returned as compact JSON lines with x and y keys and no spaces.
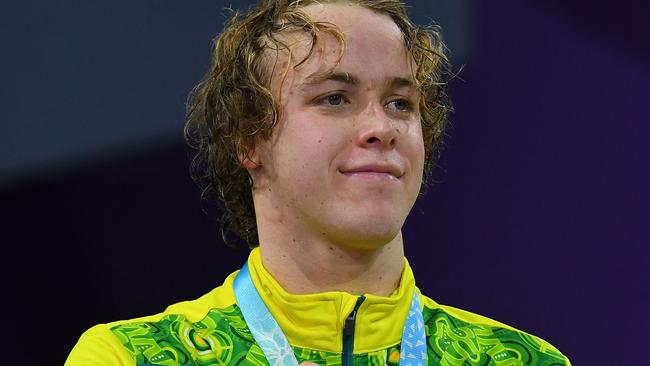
{"x":276,"y":347}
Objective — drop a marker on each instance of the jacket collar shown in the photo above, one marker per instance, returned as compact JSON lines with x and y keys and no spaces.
{"x":315,"y":321}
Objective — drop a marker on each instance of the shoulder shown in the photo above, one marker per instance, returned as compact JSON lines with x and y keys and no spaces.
{"x":98,"y":346}
{"x":152,"y":337}
{"x":460,"y":334}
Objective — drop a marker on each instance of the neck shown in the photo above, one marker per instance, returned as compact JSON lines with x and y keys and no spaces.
{"x":313,"y":266}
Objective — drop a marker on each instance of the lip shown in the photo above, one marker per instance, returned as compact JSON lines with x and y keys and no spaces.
{"x":374,"y":171}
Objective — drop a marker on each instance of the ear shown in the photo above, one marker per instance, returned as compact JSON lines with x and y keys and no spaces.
{"x":250,"y":160}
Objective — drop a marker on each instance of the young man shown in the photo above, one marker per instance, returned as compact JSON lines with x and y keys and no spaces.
{"x":314,"y":129}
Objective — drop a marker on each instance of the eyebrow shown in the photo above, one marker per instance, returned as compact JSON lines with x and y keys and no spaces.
{"x":400,"y":82}
{"x":321,"y":77}
{"x":347,"y":78}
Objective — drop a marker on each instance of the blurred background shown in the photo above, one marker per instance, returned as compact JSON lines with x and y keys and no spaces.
{"x":539,"y":218}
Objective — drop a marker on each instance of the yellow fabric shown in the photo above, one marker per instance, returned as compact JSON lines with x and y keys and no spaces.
{"x":379,"y":323}
{"x":98,"y":346}
{"x":473,"y":318}
{"x":313,"y":321}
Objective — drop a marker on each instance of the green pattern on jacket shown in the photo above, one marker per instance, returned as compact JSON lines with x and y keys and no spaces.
{"x":223,"y":338}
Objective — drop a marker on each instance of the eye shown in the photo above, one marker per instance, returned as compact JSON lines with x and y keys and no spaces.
{"x":401,"y":105}
{"x":334,"y":99}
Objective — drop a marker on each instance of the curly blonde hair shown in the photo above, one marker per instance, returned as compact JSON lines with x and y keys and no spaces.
{"x":233,"y":107}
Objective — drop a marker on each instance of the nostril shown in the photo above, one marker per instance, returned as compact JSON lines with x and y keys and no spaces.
{"x":373,"y":139}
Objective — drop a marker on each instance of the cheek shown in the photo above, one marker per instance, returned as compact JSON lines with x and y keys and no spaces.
{"x":303,"y":150}
{"x":415,"y":145}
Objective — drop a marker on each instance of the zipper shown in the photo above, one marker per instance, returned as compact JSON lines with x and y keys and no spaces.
{"x":347,"y":358}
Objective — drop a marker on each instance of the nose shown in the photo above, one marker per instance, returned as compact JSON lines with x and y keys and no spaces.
{"x":376,"y":128}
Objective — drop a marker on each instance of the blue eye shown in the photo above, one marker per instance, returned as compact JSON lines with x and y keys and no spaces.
{"x":401,"y":105}
{"x":334,"y":99}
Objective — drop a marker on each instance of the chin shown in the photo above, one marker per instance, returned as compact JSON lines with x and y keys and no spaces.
{"x":368,"y":235}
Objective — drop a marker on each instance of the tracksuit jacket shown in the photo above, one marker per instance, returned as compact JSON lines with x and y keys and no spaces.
{"x":331,"y":328}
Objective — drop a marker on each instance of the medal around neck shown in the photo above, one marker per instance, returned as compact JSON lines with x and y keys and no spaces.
{"x":276,"y":347}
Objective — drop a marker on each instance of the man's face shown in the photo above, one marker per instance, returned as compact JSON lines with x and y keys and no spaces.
{"x":344,"y":164}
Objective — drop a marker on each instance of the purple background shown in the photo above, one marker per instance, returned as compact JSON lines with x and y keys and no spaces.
{"x":540,"y":219}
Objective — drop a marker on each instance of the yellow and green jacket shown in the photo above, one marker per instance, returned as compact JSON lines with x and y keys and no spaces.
{"x":212,"y":331}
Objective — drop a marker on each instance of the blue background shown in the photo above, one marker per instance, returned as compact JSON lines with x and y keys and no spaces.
{"x":539,"y":220}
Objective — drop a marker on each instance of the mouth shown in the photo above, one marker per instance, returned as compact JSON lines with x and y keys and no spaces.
{"x":374,"y":172}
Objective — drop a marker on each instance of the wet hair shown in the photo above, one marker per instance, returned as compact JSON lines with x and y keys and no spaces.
{"x":233,"y":107}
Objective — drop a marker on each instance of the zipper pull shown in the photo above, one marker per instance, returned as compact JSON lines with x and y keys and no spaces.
{"x":348,"y":329}
{"x":347,"y":357}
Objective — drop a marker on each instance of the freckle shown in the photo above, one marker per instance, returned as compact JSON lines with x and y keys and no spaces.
{"x":319,"y":141}
{"x":381,"y":278}
{"x":331,"y":248}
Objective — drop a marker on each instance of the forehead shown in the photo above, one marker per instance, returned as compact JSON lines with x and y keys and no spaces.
{"x":371,"y":43}
{"x":354,"y":19}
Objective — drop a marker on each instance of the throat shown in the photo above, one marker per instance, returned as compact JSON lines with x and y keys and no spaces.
{"x":301,"y":268}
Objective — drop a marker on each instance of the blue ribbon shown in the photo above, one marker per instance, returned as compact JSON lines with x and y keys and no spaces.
{"x":276,"y":347}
